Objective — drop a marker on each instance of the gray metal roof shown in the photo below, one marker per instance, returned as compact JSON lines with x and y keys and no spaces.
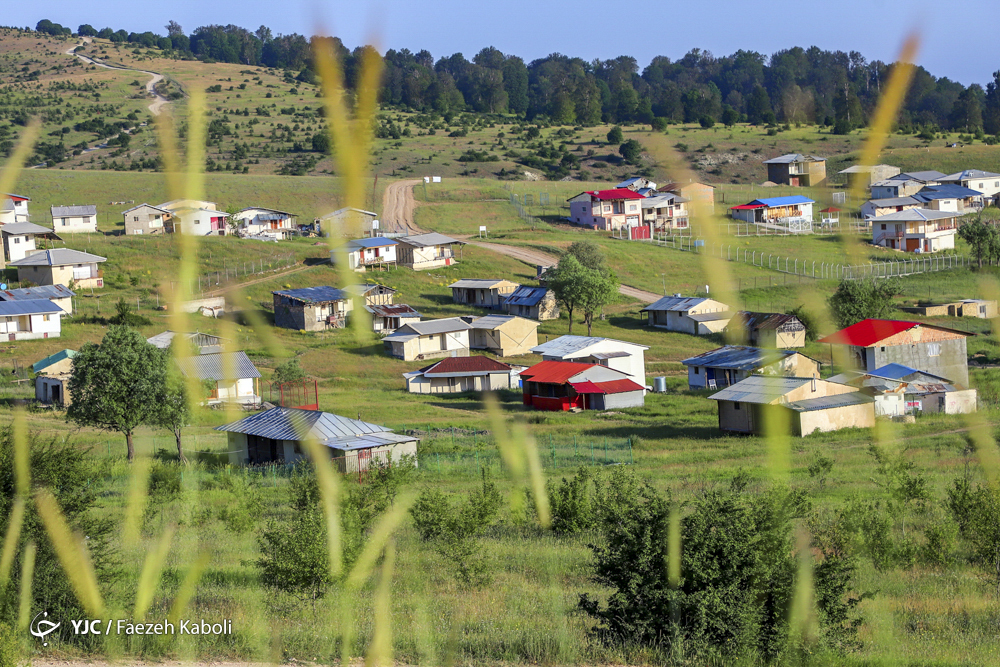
{"x":711,"y":317}
{"x":930,"y":175}
{"x":328,"y":429}
{"x":18,"y":228}
{"x":738,"y":357}
{"x":39,"y":292}
{"x":895,"y":201}
{"x":322,"y":294}
{"x":476,"y":283}
{"x":497,"y":321}
{"x":568,"y":345}
{"x":431,"y":327}
{"x":916,"y":215}
{"x":58,"y":257}
{"x":221,"y":366}
{"x":526,"y":296}
{"x":392,"y":310}
{"x":826,"y":402}
{"x":789,"y":158}
{"x":28,"y":307}
{"x":431,"y":239}
{"x":203,"y":340}
{"x":896,"y":182}
{"x":969,"y":174}
{"x":661,"y":199}
{"x":161,"y":210}
{"x":763,"y":389}
{"x":73,"y":211}
{"x":675,"y":303}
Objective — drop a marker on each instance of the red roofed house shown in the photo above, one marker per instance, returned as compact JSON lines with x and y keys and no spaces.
{"x":925,"y":347}
{"x":564,"y":385}
{"x":607,"y":209}
{"x":457,"y":374}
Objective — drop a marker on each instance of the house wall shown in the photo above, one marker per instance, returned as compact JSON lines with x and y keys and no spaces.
{"x":711,"y":326}
{"x":60,"y":275}
{"x":736,"y":416}
{"x":890,"y":405}
{"x":421,"y":259}
{"x":387,"y":325}
{"x":452,"y":344}
{"x":75,"y":224}
{"x":144,"y":220}
{"x":236,"y":391}
{"x":489,"y":382}
{"x":628,"y":399}
{"x":510,"y":339}
{"x":960,"y":402}
{"x":832,"y":419}
{"x":18,"y":246}
{"x":201,"y":223}
{"x":28,"y":327}
{"x":52,"y":390}
{"x":305,"y":316}
{"x":950,"y":362}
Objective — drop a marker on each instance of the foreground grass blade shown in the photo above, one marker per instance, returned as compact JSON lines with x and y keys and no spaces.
{"x":152,"y":567}
{"x":22,"y":458}
{"x":520,"y":455}
{"x":27,"y":573}
{"x":10,"y":541}
{"x":380,"y":649}
{"x":329,"y":492}
{"x":138,"y":492}
{"x":72,"y":553}
{"x":188,"y":587}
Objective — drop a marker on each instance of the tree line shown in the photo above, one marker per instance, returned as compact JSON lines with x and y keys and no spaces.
{"x":807,"y":85}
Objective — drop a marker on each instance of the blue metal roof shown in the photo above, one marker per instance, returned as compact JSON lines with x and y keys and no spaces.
{"x":52,"y":359}
{"x":28,"y":307}
{"x":37,"y":292}
{"x":739,"y":357}
{"x":322,"y":294}
{"x":526,"y":295}
{"x":784,"y":201}
{"x":947,"y":191}
{"x":373,"y":242}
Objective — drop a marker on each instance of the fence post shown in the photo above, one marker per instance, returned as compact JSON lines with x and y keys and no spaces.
{"x":605,"y":450}
{"x":630,"y":459}
{"x":592,"y":460}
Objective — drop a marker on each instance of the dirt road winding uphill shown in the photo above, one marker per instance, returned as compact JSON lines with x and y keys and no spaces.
{"x":155,"y":77}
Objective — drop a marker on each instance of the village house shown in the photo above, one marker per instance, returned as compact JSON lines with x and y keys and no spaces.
{"x":177,"y":205}
{"x":198,"y":222}
{"x":986,"y":183}
{"x":892,"y":188}
{"x":796,"y":170}
{"x":665,"y":211}
{"x":388,"y":318}
{"x":629,"y":358}
{"x":234,"y":377}
{"x":13,"y":208}
{"x":608,"y":210}
{"x":426,"y":251}
{"x":311,"y":308}
{"x":534,"y":303}
{"x":373,"y":294}
{"x":265,"y":222}
{"x":793,"y":213}
{"x":950,"y":197}
{"x":862,"y":176}
{"x":698,"y":316}
{"x":346,"y":221}
{"x":279,"y":434}
{"x":730,"y":364}
{"x":52,"y":376}
{"x":19,"y":239}
{"x":643,"y":186}
{"x":933,"y":349}
{"x":145,"y":219}
{"x":916,"y":230}
{"x":60,"y":266}
{"x":503,"y":335}
{"x":376,"y":252}
{"x":60,"y":295}
{"x":900,"y":390}
{"x":800,"y":406}
{"x":74,"y":219}
{"x":202,"y":342}
{"x":484,"y":293}
{"x":454,"y":375}
{"x":770,"y":330}
{"x":700,"y":196}
{"x":567,"y":385}
{"x":981,"y":308}
{"x":448,"y":337}
{"x":876,"y":208}
{"x":30,"y":318}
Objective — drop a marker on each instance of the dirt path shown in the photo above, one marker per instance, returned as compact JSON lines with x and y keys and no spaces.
{"x":270,"y":276}
{"x":397,"y":207}
{"x":155,"y":77}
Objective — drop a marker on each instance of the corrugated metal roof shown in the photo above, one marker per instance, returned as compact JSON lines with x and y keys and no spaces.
{"x":19,"y":228}
{"x":398,"y":310}
{"x":362,"y":290}
{"x":621,"y":386}
{"x":894,"y":201}
{"x":969,"y":174}
{"x":863,"y":169}
{"x":610,"y":355}
{"x":789,"y":158}
{"x":868,"y":332}
{"x":790,"y":200}
{"x":73,"y":211}
{"x":491,"y":322}
{"x":58,"y":257}
{"x":827,"y":402}
{"x":205,"y":341}
{"x":328,"y":429}
{"x":768,"y":321}
{"x":569,"y":345}
{"x":916,"y":215}
{"x":39,"y":366}
{"x":761,"y":389}
{"x":161,"y":210}
{"x":526,"y":296}
{"x":480,"y":283}
{"x":431,"y":327}
{"x":322,"y":294}
{"x":947,"y":191}
{"x":465,"y":365}
{"x":711,"y":317}
{"x":431,"y":239}
{"x":738,"y":357}
{"x":554,"y":372}
{"x":341,"y":211}
{"x":930,"y":175}
{"x":904,"y":373}
{"x":373,"y":242}
{"x":612,"y":194}
{"x":221,"y":366}
{"x":38,"y":292}
{"x":28,"y":307}
{"x":679,"y":304}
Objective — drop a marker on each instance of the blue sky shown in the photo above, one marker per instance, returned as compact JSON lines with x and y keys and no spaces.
{"x":954,"y":43}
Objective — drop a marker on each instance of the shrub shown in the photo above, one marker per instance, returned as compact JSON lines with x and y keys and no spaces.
{"x":575,"y":503}
{"x":246,"y":507}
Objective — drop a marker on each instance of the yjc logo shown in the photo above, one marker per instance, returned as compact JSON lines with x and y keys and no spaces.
{"x":43,"y":628}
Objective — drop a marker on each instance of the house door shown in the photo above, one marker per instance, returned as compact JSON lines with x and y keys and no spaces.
{"x":364,"y":459}
{"x":793,"y":180}
{"x":54,"y":394}
{"x":912,"y":245}
{"x":710,"y":378}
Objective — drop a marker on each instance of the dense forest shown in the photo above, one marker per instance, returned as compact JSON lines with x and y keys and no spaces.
{"x":792,"y":85}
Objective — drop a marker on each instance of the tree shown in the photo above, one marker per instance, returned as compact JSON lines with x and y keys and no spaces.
{"x":991,"y":106}
{"x":174,"y":409}
{"x":615,"y":135}
{"x":706,"y":121}
{"x":566,"y":281}
{"x":979,"y":234}
{"x":86,"y":30}
{"x":730,"y":116}
{"x":598,"y":289}
{"x":758,"y":106}
{"x":589,"y":254}
{"x":967,"y":112}
{"x":631,"y":151}
{"x":869,"y":298}
{"x":116,"y":384}
{"x":174,"y":29}
{"x":290,"y":371}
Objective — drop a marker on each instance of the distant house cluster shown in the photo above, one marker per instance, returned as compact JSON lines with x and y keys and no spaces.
{"x":639,"y":203}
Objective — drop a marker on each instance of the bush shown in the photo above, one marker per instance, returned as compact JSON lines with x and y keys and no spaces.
{"x":246,"y":507}
{"x":615,"y":135}
{"x":575,"y":504}
{"x":10,"y":654}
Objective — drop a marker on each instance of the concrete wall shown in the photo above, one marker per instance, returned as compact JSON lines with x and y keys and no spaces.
{"x":509,"y":339}
{"x":144,"y":220}
{"x":628,"y":399}
{"x":236,"y":391}
{"x":490,"y":382}
{"x":52,"y":390}
{"x":833,"y":419}
{"x":453,"y":344}
{"x":289,"y":314}
{"x":75,"y":224}
{"x":421,"y":259}
{"x":27,"y":327}
{"x":736,"y":417}
{"x":952,"y":362}
{"x":18,"y":246}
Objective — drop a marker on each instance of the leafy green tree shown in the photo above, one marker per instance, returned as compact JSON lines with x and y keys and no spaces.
{"x":759,"y":106}
{"x":868,"y":298}
{"x":615,"y":135}
{"x":991,"y":106}
{"x":730,"y":116}
{"x":290,"y":371}
{"x":980,"y":235}
{"x":976,"y":510}
{"x":631,"y":151}
{"x":174,"y":408}
{"x":598,"y":289}
{"x":589,"y":254}
{"x":116,"y":384}
{"x":967,"y":112}
{"x":706,"y":121}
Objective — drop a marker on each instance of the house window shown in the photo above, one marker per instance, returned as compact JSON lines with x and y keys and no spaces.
{"x":697,"y":371}
{"x":65,"y":222}
{"x":883,"y":227}
{"x":135,"y":218}
{"x":736,"y":405}
{"x":933,"y":349}
{"x":17,"y":239}
{"x":882,"y":349}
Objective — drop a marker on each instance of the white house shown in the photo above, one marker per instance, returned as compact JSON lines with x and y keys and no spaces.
{"x":916,"y":230}
{"x":985,"y":182}
{"x":74,"y":219}
{"x":60,"y":295}
{"x":345,"y":221}
{"x":199,"y":222}
{"x":265,"y":222}
{"x":695,"y":315}
{"x":457,"y":374}
{"x":448,"y":337}
{"x":13,"y":208}
{"x":875,"y":208}
{"x":427,"y":251}
{"x":362,"y":254}
{"x":618,"y":355}
{"x":19,"y":239}
{"x":235,"y":376}
{"x":31,"y":318}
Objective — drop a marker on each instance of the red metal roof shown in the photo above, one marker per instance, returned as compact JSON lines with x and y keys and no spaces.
{"x":471,"y":364}
{"x":554,"y":372}
{"x":830,"y":209}
{"x":747,"y":207}
{"x":868,"y":332}
{"x":615,"y":193}
{"x":619,"y":386}
{"x":586,"y":387}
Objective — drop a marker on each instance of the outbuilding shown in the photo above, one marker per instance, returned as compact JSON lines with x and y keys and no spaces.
{"x":698,"y":316}
{"x":386,"y":319}
{"x":484,"y":293}
{"x":60,"y":295}
{"x":535,"y":303}
{"x":60,"y":266}
{"x":771,"y":330}
{"x":145,"y":220}
{"x":448,"y":337}
{"x":427,"y":251}
{"x":74,"y":219}
{"x":503,"y":335}
{"x":234,"y":376}
{"x":730,"y":364}
{"x":457,"y":374}
{"x":311,"y":308}
{"x":567,"y":385}
{"x":52,"y":376}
